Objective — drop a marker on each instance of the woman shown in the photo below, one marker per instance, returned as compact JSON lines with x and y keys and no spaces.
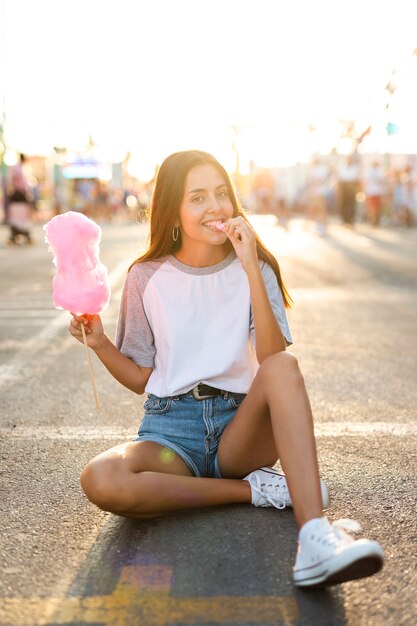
{"x":203,"y":330}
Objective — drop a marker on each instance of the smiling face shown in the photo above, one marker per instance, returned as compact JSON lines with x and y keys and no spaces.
{"x":206,"y":201}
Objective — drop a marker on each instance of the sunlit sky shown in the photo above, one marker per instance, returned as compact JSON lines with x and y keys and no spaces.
{"x":153,"y":76}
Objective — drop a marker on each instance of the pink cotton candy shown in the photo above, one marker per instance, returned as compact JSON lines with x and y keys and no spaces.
{"x":218,"y":225}
{"x":80,"y":284}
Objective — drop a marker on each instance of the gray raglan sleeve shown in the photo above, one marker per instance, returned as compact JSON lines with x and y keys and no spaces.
{"x":277,"y":303}
{"x":134,"y":337}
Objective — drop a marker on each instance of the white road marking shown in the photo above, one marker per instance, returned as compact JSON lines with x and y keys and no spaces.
{"x":353,"y":429}
{"x":14,"y":313}
{"x":323,"y":429}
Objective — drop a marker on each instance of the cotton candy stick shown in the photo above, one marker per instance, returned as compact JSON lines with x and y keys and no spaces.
{"x":80,"y":284}
{"x":90,"y":369}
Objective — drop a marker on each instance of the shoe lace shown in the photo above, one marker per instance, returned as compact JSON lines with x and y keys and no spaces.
{"x":275,"y":493}
{"x":348,"y":524}
{"x":340,"y":527}
{"x":329,"y":540}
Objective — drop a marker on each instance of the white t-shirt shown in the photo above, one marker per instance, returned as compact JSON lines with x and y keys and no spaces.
{"x":193,"y":325}
{"x":349,"y":173}
{"x":374,"y":181}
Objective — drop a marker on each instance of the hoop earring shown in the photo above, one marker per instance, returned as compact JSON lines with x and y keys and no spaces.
{"x":175,"y":233}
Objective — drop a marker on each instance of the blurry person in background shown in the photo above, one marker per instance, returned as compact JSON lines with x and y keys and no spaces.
{"x":403,"y":198}
{"x":102,"y":207}
{"x":374,"y":187}
{"x":18,"y":177}
{"x":281,"y":198}
{"x":263,"y":192}
{"x":317,"y":192}
{"x":19,"y":213}
{"x":348,"y":187}
{"x":116,"y":205}
{"x":19,"y":218}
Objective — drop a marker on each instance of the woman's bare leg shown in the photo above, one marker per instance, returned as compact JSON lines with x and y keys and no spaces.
{"x":273,"y":421}
{"x":276,"y":410}
{"x":136,"y":480}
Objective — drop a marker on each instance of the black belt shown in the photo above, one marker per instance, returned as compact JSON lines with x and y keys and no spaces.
{"x":202,"y":391}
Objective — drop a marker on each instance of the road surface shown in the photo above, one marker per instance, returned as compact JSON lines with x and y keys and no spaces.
{"x":64,"y":562}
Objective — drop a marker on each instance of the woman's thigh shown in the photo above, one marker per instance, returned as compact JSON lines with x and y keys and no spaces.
{"x":247,"y":443}
{"x":114,"y":480}
{"x":139,"y":456}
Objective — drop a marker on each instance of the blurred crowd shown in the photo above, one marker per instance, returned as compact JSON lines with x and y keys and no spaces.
{"x":30,"y":194}
{"x":352,"y":189}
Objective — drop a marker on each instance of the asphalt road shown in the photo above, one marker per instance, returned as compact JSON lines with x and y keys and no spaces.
{"x":65,"y":563}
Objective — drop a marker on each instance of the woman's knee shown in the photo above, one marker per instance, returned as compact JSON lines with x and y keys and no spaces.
{"x":103,"y":484}
{"x":281,"y":366}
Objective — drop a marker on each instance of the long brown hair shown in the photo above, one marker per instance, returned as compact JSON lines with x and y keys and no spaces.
{"x":165,"y":205}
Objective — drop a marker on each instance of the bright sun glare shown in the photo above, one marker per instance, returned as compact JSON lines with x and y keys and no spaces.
{"x":155,"y":76}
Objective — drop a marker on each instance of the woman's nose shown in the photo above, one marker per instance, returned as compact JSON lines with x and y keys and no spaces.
{"x":214,"y":203}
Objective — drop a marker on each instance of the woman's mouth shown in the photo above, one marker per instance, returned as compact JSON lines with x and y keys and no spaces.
{"x":215,"y":225}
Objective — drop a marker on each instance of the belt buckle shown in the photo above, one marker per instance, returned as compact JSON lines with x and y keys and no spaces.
{"x":196,"y":395}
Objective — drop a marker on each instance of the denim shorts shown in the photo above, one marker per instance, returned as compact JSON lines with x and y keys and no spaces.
{"x":191,"y":428}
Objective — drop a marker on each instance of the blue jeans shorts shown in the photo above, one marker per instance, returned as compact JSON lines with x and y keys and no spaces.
{"x":191,"y":428}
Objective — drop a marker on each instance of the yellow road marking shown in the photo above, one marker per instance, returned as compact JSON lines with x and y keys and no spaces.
{"x":141,"y":598}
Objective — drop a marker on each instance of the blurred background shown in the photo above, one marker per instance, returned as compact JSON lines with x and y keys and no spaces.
{"x":309,"y":105}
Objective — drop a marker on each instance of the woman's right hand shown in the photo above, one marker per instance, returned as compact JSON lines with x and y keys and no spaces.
{"x":93,"y":327}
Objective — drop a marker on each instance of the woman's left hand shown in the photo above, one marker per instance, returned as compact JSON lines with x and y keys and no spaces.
{"x":242,"y":237}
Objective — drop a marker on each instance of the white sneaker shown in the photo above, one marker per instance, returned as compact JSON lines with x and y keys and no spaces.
{"x":329,"y":556}
{"x":269,"y":488}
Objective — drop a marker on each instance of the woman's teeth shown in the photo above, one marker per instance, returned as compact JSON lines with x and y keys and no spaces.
{"x":215,"y":225}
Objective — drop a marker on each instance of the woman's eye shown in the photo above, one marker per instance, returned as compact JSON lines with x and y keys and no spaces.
{"x":197,"y":199}
{"x":222,"y":194}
